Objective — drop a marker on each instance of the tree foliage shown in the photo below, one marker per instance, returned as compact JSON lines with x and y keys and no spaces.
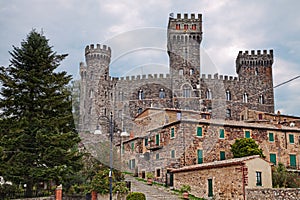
{"x":245,"y":147}
{"x":38,"y":141}
{"x":281,"y":178}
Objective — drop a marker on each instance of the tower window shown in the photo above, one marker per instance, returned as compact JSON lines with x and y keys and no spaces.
{"x":140,"y":95}
{"x":194,"y":26}
{"x":228,"y":113}
{"x":228,"y":95}
{"x":191,"y":71}
{"x":208,"y":94}
{"x":177,"y":26}
{"x":261,"y":99}
{"x":186,"y":91}
{"x":162,"y":93}
{"x":180,"y":72}
{"x":245,"y":98}
{"x":186,"y":27}
{"x":256,"y":71}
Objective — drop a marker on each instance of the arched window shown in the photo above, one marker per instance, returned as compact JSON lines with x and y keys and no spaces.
{"x":162,"y":93}
{"x":245,"y":98}
{"x":261,"y":99}
{"x":228,"y":95}
{"x":186,"y":91}
{"x":208,"y":94}
{"x":256,"y":71}
{"x":140,"y":95}
{"x":191,"y":71}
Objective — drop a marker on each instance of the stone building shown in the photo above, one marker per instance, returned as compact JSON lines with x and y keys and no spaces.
{"x":171,"y":139}
{"x":184,"y":87}
{"x":244,"y":173}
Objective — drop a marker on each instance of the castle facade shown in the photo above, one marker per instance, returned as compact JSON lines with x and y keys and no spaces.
{"x":184,"y":87}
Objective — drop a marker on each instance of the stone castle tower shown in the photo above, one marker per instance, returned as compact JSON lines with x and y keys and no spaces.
{"x":183,"y":88}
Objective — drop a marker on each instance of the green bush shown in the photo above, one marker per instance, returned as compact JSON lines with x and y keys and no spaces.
{"x":136,"y":196}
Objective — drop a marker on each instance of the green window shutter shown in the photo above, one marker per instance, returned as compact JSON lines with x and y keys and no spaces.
{"x":200,"y":156}
{"x":132,"y":146}
{"x":221,"y":133}
{"x":273,"y":158}
{"x":199,"y":131}
{"x":271,"y":137}
{"x":157,"y":139}
{"x":293,"y":160}
{"x":222,"y":155}
{"x":210,"y":188}
{"x":146,"y":141}
{"x":291,"y":138}
{"x":247,"y":134}
{"x":129,"y":164}
{"x":172,"y":132}
{"x":173,"y":154}
{"x":157,"y":156}
{"x":123,"y":148}
{"x":133,"y":163}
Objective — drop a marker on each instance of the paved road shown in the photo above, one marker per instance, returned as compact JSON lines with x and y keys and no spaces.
{"x":153,"y":192}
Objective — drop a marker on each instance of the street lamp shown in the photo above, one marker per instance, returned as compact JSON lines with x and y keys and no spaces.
{"x":98,"y":131}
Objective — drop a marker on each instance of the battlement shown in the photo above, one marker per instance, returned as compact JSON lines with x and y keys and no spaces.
{"x":254,"y":58}
{"x":90,"y":49}
{"x":142,"y":77}
{"x":218,"y":77}
{"x":186,"y":17}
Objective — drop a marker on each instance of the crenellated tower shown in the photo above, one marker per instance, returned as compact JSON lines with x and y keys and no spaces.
{"x":95,"y":83}
{"x":184,"y":38}
{"x":254,"y":70}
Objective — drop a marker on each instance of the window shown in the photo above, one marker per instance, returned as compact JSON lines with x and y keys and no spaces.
{"x":221,"y":131}
{"x":210,"y":188}
{"x":208,"y":94}
{"x":146,"y":141}
{"x":172,"y":153}
{"x":228,"y":113}
{"x":199,"y":156}
{"x":245,"y":98}
{"x":199,"y":131}
{"x":186,"y":91}
{"x":261,"y":99}
{"x":228,"y":95}
{"x":271,"y":137}
{"x":140,"y":95}
{"x":180,"y":72}
{"x":157,"y":156}
{"x":260,"y":116}
{"x":191,"y":71}
{"x":177,"y":26}
{"x":140,"y":110}
{"x":172,"y":132}
{"x":143,"y":174}
{"x":247,"y":134}
{"x":157,"y":172}
{"x":132,"y":146}
{"x":123,"y":148}
{"x":258,"y":179}
{"x":222,"y":155}
{"x":162,"y":94}
{"x":291,"y":138}
{"x":194,"y":26}
{"x":293,"y":162}
{"x":131,"y":164}
{"x":186,"y":27}
{"x":273,"y":158}
{"x":157,"y":139}
{"x":256,"y":71}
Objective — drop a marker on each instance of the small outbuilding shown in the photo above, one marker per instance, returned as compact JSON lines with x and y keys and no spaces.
{"x":226,"y":179}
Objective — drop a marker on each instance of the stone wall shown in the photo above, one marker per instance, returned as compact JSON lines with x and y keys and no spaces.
{"x":273,"y":193}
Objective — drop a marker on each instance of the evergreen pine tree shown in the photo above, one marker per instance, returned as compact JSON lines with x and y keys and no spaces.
{"x":38,"y":141}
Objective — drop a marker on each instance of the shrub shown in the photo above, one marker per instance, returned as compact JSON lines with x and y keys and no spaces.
{"x":136,"y":196}
{"x":185,"y":188}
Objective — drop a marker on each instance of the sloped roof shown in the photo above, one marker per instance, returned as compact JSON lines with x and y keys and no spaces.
{"x":217,"y":164}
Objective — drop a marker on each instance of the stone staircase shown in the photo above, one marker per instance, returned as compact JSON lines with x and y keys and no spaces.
{"x":153,"y":192}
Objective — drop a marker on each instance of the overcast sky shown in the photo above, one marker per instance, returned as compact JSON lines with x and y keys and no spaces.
{"x":136,"y":32}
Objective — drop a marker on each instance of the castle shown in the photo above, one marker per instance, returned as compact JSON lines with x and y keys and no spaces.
{"x":183,"y":88}
{"x":183,"y":123}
